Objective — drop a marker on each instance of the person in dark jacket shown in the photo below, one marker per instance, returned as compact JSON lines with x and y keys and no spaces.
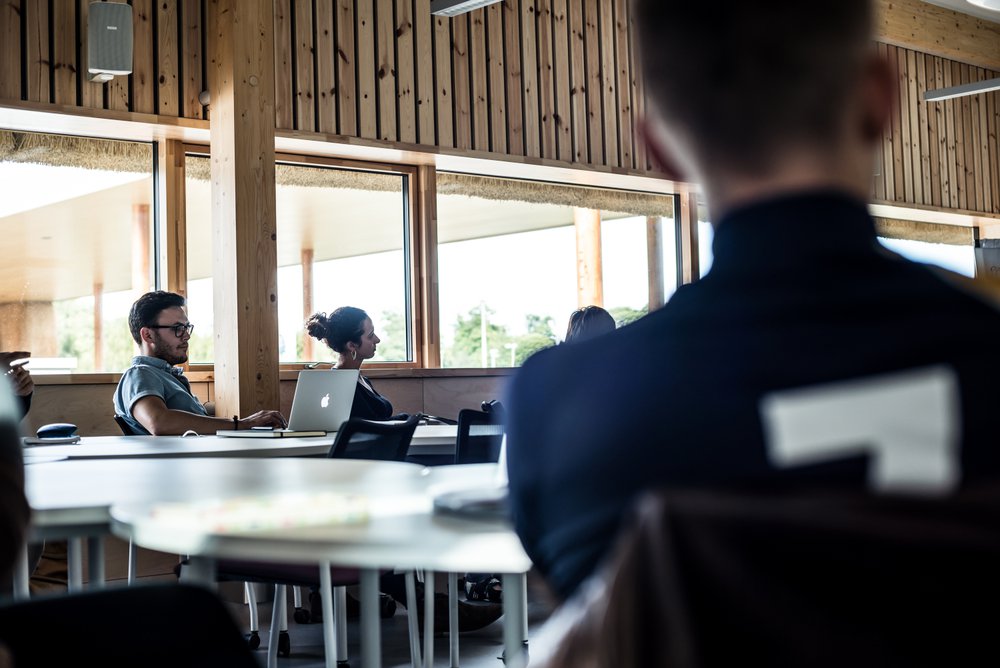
{"x":349,"y":332}
{"x":809,"y":354}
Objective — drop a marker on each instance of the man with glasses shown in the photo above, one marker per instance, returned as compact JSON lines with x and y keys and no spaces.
{"x":153,"y":396}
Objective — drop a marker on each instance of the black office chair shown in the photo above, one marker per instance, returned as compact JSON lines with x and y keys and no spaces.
{"x":707,"y":578}
{"x":124,"y":426}
{"x":368,"y":439}
{"x":480,"y":434}
{"x":155,"y":626}
{"x":356,"y":439}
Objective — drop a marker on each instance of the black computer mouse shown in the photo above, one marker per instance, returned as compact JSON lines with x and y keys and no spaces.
{"x":56,"y":430}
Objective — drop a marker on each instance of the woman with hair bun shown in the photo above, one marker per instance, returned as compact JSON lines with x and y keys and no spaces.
{"x":349,"y":332}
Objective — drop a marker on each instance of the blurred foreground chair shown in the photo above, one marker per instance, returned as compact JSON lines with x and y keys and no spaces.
{"x":154,"y":626}
{"x":819,"y":579}
{"x":356,"y":439}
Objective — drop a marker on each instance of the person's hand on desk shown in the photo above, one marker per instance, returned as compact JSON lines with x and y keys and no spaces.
{"x":263,"y":419}
{"x":20,"y":379}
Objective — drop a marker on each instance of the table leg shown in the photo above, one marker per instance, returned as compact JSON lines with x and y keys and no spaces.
{"x":278,"y":613}
{"x":453,"y":620}
{"x":74,"y":559}
{"x":200,"y":571}
{"x":21,"y":575}
{"x":371,"y":644}
{"x":428,"y":619}
{"x":513,"y":620}
{"x":95,"y":561}
{"x":329,"y":622}
{"x":132,"y":562}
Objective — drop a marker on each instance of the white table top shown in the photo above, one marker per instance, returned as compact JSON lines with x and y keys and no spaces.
{"x":401,"y":530}
{"x":427,"y":440}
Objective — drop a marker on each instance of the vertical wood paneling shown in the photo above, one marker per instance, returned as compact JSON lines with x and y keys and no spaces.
{"x":326,"y":76}
{"x":968,"y":136}
{"x":10,"y":50}
{"x":143,"y":68}
{"x":191,"y":39}
{"x":367,"y":108}
{"x":512,"y":51}
{"x":888,"y":163}
{"x":423,"y":25}
{"x":934,"y":122}
{"x":592,"y":58}
{"x":386,"y":71}
{"x":546,"y":84}
{"x":37,"y":38}
{"x":305,"y":47}
{"x":923,"y":154}
{"x":561,"y":116}
{"x":915,"y":128}
{"x":626,"y":140}
{"x":895,"y":137}
{"x":64,"y":53}
{"x":91,"y":93}
{"x":639,"y":102}
{"x":442,"y":82}
{"x":480,"y":81}
{"x":529,"y":80}
{"x":609,"y":85}
{"x":168,"y":59}
{"x":959,"y":140}
{"x":405,"y":74}
{"x":578,"y":82}
{"x":347,"y":101}
{"x":904,"y":127}
{"x":497,"y":76}
{"x":993,"y":146}
{"x":284,"y":116}
{"x":462,"y":91}
{"x":976,"y":143}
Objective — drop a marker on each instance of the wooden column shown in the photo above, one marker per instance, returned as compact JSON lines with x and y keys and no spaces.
{"x":140,"y":249}
{"x":245,"y":259}
{"x":307,"y":300}
{"x":654,"y":261}
{"x":686,"y":211}
{"x":427,"y":312}
{"x":589,"y":273}
{"x":173,"y":213}
{"x":99,"y":326}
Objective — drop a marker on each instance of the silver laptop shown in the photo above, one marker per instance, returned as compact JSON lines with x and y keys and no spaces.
{"x":323,"y":399}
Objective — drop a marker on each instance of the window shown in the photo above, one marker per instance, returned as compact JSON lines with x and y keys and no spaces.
{"x":343,"y":239}
{"x":78,"y":212}
{"x":960,"y":259}
{"x":508,"y":272}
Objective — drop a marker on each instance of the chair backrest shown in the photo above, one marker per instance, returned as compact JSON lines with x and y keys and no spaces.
{"x":480,"y":434}
{"x":369,"y":439}
{"x":124,"y":426}
{"x":706,"y":579}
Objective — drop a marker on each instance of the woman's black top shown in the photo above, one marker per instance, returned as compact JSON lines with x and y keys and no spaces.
{"x":369,"y":404}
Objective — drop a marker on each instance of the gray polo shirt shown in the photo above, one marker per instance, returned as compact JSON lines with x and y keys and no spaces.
{"x":152,"y":376}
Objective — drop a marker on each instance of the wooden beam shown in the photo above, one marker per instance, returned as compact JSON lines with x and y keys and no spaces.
{"x":173,"y":214}
{"x":140,"y":250}
{"x":589,"y":271}
{"x":686,"y":206}
{"x":922,"y":26}
{"x":427,"y":310}
{"x":307,"y":299}
{"x":243,"y":209}
{"x":98,"y":326}
{"x":654,"y":261}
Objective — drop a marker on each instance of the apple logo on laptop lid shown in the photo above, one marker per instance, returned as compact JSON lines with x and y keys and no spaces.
{"x":325,"y":401}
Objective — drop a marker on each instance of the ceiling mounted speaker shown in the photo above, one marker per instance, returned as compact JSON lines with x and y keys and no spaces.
{"x":109,"y":40}
{"x":455,"y":7}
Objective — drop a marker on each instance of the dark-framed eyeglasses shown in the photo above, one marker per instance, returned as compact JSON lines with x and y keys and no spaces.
{"x":179,"y":329}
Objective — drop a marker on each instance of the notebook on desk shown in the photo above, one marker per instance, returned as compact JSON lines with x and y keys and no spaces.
{"x":322,"y":402}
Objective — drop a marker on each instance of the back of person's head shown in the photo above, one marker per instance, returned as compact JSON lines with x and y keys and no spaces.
{"x":146,"y":310}
{"x":588,"y":322}
{"x":343,"y":325}
{"x":746,"y":80}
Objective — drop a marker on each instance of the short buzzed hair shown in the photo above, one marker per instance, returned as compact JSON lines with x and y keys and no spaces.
{"x":748,"y":77}
{"x":146,"y":310}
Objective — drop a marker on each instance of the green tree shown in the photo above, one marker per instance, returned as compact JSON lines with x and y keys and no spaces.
{"x":623,"y":315}
{"x":529,"y":344}
{"x":392,"y":331}
{"x":540,"y":324}
{"x":465,"y":351}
